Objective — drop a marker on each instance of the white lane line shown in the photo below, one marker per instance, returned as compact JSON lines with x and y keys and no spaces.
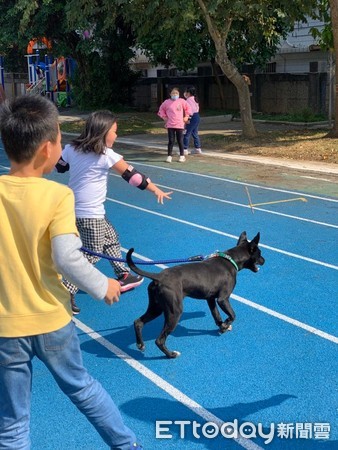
{"x":280,"y":316}
{"x":317,"y":178}
{"x":241,"y":205}
{"x":302,"y":194}
{"x":162,"y":384}
{"x":266,"y":310}
{"x":222,"y":233}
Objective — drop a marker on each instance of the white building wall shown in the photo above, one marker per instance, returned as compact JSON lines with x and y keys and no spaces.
{"x":299,"y":62}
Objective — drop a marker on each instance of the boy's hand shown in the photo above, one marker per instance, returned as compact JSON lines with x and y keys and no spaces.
{"x":113,"y":292}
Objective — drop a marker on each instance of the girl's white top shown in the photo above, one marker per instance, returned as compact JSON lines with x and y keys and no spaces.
{"x":88,"y":175}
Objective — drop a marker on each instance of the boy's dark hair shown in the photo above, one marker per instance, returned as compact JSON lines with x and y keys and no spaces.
{"x":25,"y":123}
{"x":92,"y":138}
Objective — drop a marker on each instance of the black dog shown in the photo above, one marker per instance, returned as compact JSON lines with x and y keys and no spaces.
{"x":213,"y":279}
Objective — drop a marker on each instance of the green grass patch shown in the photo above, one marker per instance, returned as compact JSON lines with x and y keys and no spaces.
{"x":75,"y":126}
{"x":305,"y":116}
{"x":127,"y":124}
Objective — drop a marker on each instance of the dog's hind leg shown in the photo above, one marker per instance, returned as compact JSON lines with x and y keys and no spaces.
{"x":154,"y":310}
{"x":224,"y":304}
{"x":171,"y":319}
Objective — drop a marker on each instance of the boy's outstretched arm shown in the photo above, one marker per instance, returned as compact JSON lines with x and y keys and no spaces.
{"x":70,"y":262}
{"x":139,"y":180}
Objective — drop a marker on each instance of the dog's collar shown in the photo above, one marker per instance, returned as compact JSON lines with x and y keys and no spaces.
{"x":228,"y":257}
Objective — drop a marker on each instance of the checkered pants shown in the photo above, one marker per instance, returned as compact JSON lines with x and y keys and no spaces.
{"x":99,"y":236}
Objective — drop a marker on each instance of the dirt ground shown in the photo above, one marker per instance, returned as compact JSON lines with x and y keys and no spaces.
{"x":278,"y":141}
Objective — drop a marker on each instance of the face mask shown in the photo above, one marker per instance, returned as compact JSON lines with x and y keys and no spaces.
{"x":174,"y":97}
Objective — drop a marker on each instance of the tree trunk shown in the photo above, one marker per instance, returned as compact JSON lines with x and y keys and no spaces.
{"x":242,"y":87}
{"x":219,"y":37}
{"x":334,"y":21}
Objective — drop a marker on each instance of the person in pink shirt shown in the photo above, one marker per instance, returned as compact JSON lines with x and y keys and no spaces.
{"x":175,"y":111}
{"x":191,"y":128}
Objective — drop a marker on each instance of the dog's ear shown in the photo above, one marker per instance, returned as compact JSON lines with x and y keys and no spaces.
{"x":242,"y":238}
{"x":255,"y":240}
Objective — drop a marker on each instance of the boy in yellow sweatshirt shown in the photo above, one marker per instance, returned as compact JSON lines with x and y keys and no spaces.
{"x":39,"y":244}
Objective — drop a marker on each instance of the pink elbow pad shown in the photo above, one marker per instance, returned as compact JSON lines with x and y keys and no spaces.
{"x":135,"y":178}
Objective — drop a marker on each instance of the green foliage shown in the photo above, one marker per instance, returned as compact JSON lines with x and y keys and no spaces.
{"x":176,"y":33}
{"x":103,"y":76}
{"x":11,"y":43}
{"x":324,"y":36}
{"x":172,"y":34}
{"x":110,"y":81}
{"x":169,"y":31}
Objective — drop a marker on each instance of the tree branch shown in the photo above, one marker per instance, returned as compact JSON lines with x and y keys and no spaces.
{"x":215,"y":33}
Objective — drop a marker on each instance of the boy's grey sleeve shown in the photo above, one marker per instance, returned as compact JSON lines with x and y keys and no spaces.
{"x":71,"y":263}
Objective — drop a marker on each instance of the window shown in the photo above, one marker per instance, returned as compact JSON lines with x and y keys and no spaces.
{"x":204,"y":71}
{"x":167,"y":72}
{"x":313,"y":66}
{"x":162,"y":72}
{"x":270,"y":68}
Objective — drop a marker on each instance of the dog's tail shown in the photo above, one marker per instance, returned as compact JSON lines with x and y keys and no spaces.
{"x":137,"y":270}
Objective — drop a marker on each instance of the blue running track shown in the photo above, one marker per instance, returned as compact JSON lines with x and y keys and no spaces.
{"x":273,"y":375}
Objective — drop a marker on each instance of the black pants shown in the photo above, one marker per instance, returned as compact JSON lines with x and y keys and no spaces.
{"x":171,"y":140}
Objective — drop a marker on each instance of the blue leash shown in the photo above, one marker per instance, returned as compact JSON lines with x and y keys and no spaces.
{"x":138,"y":261}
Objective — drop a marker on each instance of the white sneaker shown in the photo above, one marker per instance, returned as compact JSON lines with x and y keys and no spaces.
{"x":185,"y":152}
{"x":196,"y":151}
{"x":181,"y":159}
{"x":169,"y":159}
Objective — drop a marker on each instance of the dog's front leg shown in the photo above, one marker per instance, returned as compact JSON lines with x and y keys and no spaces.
{"x":224,"y":304}
{"x":214,"y":311}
